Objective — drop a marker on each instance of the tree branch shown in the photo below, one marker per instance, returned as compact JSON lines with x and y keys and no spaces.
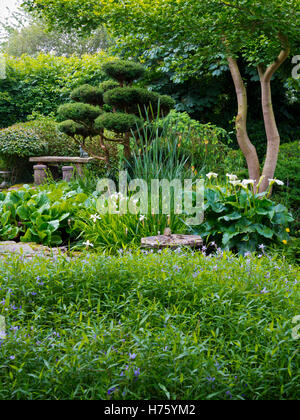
{"x":283,"y":55}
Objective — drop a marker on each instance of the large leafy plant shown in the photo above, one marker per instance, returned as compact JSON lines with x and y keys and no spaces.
{"x":238,"y":219}
{"x":45,"y":216}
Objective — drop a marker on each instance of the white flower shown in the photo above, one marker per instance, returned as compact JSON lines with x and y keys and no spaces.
{"x":277,"y":181}
{"x":88,"y":243}
{"x":142,"y":217}
{"x":248,"y":181}
{"x":95,"y":217}
{"x":235,"y":183}
{"x":232,"y":177}
{"x":211,"y":175}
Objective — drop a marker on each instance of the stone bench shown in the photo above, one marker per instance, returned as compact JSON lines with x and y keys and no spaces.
{"x":40,"y":169}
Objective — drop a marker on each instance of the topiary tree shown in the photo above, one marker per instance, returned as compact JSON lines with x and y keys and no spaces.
{"x":115,"y":105}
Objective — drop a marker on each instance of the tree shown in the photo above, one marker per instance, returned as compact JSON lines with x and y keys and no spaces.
{"x":34,"y":39}
{"x":116,"y":106}
{"x":263,"y":33}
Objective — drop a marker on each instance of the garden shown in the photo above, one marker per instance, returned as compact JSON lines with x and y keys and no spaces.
{"x":149,"y":202}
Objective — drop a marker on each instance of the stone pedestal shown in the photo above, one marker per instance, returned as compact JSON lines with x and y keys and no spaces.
{"x":68,"y":173}
{"x":40,"y":174}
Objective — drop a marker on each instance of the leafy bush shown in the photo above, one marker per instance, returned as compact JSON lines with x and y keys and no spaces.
{"x":118,"y":122}
{"x":205,"y":145}
{"x":108,"y":85}
{"x":17,"y":144}
{"x":124,"y":71}
{"x":21,"y":141}
{"x":128,"y":101}
{"x":288,"y":170}
{"x":42,"y":83}
{"x":157,"y":326}
{"x":80,"y":112}
{"x":88,"y":94}
{"x":238,"y":219}
{"x":43,"y":216}
{"x":48,"y":130}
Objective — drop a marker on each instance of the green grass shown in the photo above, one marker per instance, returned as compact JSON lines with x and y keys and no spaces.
{"x":195,"y":327}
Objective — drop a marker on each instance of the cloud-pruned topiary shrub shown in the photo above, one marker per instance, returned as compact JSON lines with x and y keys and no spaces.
{"x":115,"y":105}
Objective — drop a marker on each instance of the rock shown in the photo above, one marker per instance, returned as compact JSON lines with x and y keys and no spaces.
{"x":28,"y":249}
{"x":172,"y":241}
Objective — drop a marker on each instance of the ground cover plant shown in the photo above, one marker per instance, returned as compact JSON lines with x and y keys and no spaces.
{"x":149,"y":326}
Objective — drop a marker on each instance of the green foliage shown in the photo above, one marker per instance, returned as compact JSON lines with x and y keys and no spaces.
{"x":71,"y":129}
{"x":124,"y":71}
{"x":122,"y":97}
{"x":131,"y":101}
{"x":88,"y":94}
{"x":136,"y":99}
{"x":33,"y":39}
{"x":205,"y":145}
{"x":79,"y":112}
{"x":42,"y":83}
{"x":44,"y":216}
{"x":157,"y":155}
{"x":48,"y":131}
{"x":237,"y":219}
{"x":118,"y":122}
{"x":17,"y":144}
{"x":288,"y":171}
{"x":157,"y":326}
{"x":21,"y":141}
{"x":108,"y":85}
{"x":111,"y":233}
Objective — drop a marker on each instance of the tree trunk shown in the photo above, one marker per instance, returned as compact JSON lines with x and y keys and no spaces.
{"x":272,"y":133}
{"x":244,"y":142}
{"x":127,"y":148}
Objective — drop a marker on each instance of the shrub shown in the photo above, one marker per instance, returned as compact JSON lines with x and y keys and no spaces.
{"x":17,"y":144}
{"x":44,"y":216}
{"x":42,"y":83}
{"x":288,"y":170}
{"x":122,"y":97}
{"x":124,"y":71}
{"x":176,"y":326}
{"x":128,"y":101}
{"x":58,"y":143}
{"x":88,"y":94}
{"x":118,"y":122}
{"x":108,"y":85}
{"x":71,"y":129}
{"x":79,"y":112}
{"x":239,"y":220}
{"x":205,"y":145}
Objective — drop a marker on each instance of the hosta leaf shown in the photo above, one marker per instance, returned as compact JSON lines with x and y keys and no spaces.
{"x":264,"y":231}
{"x":232,"y":216}
{"x":23,"y":212}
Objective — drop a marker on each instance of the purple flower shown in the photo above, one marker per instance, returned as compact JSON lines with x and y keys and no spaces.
{"x":132,"y":356}
{"x":137,"y":372}
{"x":111,"y":390}
{"x":12,"y":357}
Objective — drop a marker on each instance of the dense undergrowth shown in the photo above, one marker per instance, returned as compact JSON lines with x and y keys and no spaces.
{"x":170,"y":325}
